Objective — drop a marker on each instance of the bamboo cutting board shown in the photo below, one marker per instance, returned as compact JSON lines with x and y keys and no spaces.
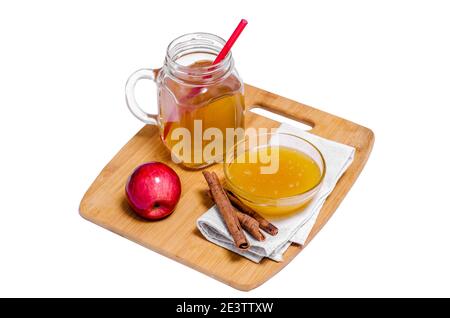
{"x":177,"y":236}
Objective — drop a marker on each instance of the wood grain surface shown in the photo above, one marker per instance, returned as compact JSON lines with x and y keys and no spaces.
{"x":177,"y":236}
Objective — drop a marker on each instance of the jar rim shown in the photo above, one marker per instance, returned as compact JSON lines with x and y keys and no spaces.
{"x":197,"y":42}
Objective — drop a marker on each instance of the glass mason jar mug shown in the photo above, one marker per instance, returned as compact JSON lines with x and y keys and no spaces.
{"x":198,"y":102}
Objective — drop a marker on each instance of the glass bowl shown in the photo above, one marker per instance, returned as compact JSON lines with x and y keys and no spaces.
{"x":280,"y":206}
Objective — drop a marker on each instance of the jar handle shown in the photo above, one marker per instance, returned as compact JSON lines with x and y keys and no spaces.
{"x":133,"y":106}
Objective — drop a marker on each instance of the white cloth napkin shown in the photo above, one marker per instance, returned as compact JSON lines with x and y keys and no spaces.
{"x":295,"y":228}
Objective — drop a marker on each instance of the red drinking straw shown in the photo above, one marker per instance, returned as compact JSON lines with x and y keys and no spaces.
{"x":229,"y":44}
{"x":222,"y":54}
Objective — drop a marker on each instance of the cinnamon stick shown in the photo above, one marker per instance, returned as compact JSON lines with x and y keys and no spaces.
{"x":250,"y":225}
{"x":263,"y":223}
{"x":247,"y":222}
{"x":226,"y":210}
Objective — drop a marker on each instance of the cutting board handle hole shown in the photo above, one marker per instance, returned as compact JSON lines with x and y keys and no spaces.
{"x":262,"y":111}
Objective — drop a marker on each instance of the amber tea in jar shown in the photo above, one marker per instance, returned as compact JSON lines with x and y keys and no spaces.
{"x":197,"y":101}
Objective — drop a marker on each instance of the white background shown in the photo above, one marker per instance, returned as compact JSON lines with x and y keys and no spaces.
{"x":383,"y":64}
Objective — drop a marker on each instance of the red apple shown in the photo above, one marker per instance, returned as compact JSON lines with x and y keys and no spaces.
{"x":153,"y":190}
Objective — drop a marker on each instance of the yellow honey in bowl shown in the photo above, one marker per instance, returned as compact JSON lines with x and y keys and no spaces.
{"x":297,"y":173}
